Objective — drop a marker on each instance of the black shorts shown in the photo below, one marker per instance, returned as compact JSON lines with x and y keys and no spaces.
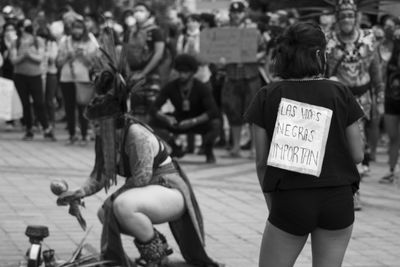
{"x":301,"y":211}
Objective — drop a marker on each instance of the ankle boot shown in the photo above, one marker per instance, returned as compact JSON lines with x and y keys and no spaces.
{"x":154,"y":252}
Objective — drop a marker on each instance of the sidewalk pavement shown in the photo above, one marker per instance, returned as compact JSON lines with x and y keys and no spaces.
{"x":233,"y":207}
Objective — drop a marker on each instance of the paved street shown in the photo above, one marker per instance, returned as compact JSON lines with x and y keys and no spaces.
{"x":232,"y":204}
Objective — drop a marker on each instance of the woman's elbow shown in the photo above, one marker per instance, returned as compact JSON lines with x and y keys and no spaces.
{"x":358,"y":157}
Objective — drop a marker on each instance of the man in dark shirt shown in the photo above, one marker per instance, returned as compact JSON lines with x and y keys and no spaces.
{"x":195,"y":108}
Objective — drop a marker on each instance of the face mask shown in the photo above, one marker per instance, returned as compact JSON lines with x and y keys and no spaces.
{"x":130,"y":21}
{"x":11,"y":35}
{"x":140,"y":16}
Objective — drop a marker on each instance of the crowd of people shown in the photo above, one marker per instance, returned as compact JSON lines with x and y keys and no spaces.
{"x":51,"y":64}
{"x":341,"y":77}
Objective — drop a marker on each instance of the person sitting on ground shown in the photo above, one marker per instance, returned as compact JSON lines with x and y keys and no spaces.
{"x":195,"y":108}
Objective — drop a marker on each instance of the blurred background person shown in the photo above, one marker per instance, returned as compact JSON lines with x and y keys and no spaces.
{"x":189,"y":43}
{"x":50,"y":71}
{"x":8,"y":39}
{"x":242,"y":81}
{"x":92,"y":24}
{"x":145,"y":55}
{"x":75,"y":59}
{"x":27,"y":54}
{"x":195,"y":111}
{"x":392,"y":105}
{"x":353,"y":60}
{"x":128,"y":24}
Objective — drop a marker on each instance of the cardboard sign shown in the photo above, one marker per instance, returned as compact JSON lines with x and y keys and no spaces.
{"x":300,"y":135}
{"x":234,"y":45}
{"x":10,"y":104}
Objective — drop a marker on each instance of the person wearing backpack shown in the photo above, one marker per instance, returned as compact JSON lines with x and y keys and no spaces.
{"x":144,"y":46}
{"x":27,"y":53}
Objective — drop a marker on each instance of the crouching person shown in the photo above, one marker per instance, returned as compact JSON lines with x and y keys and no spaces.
{"x":195,"y":110}
{"x":156,"y":189}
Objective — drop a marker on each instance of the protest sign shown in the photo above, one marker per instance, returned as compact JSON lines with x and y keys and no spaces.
{"x":300,"y":136}
{"x":10,"y":104}
{"x":233,"y":45}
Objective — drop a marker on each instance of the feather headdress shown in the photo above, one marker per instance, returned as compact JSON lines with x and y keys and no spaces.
{"x":108,"y":105}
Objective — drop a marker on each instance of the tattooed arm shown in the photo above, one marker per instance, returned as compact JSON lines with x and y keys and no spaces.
{"x":141,"y":148}
{"x":91,"y":186}
{"x":95,"y":182}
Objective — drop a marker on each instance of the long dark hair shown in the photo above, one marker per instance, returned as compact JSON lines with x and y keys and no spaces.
{"x":296,"y":53}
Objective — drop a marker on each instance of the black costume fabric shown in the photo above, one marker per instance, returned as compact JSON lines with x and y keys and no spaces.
{"x":188,"y":230}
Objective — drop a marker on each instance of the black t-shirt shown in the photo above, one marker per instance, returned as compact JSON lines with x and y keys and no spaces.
{"x":200,"y":98}
{"x":338,"y":167}
{"x":141,"y":46}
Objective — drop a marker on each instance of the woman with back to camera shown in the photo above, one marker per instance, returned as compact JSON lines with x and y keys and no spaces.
{"x":307,"y":146}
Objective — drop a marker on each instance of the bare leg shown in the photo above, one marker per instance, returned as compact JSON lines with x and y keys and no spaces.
{"x":329,"y":247}
{"x":236,"y":134}
{"x":373,"y":133}
{"x":138,"y":209}
{"x":279,"y":248}
{"x":392,"y":123}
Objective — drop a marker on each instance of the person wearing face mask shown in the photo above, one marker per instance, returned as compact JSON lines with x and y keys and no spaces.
{"x":7,"y":69}
{"x":109,"y":24}
{"x":384,"y":38}
{"x":352,"y":59}
{"x":128,"y":23}
{"x":195,"y":109}
{"x":145,"y":44}
{"x":27,"y":53}
{"x":189,"y":43}
{"x":75,"y":58}
{"x":146,"y":57}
